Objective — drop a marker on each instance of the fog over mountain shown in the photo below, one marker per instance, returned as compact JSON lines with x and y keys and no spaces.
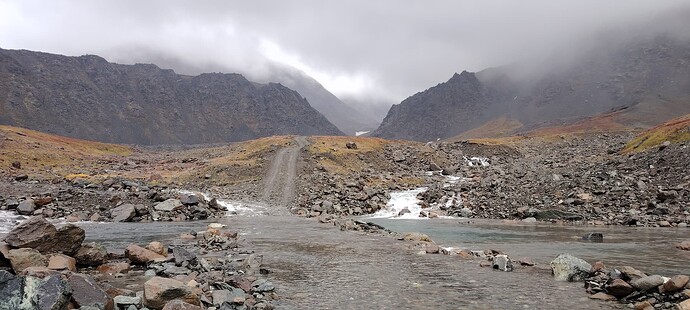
{"x":372,"y":54}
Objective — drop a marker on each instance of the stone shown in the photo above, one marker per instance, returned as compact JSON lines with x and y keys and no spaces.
{"x":123,"y":213}
{"x":141,"y":209}
{"x":594,"y":237}
{"x":503,"y":263}
{"x":685,"y":245}
{"x":140,"y":256}
{"x":526,"y":261}
{"x":26,"y":207}
{"x":485,"y":263}
{"x":169,"y":205}
{"x":114,"y":268}
{"x":631,"y":273}
{"x":351,"y":145}
{"x":181,"y":255}
{"x":53,"y":293}
{"x":68,"y":240}
{"x":404,"y":211}
{"x":676,"y":283}
{"x":685,"y":305}
{"x":23,"y":258}
{"x":126,"y":300}
{"x":566,"y":267}
{"x":62,"y":262}
{"x":91,"y":254}
{"x":39,"y":272}
{"x":602,"y":296}
{"x":416,"y":236}
{"x":32,"y":233}
{"x":647,"y":283}
{"x":530,"y":220}
{"x":157,"y":247}
{"x":86,"y":292}
{"x":4,"y":250}
{"x":222,"y":296}
{"x":431,"y":248}
{"x":180,"y":305}
{"x":644,"y":305}
{"x":11,"y":290}
{"x":619,"y":288}
{"x":262,"y":286}
{"x":159,"y":291}
{"x":189,"y":200}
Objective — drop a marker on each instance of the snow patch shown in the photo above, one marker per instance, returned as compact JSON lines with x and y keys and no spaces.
{"x":359,"y":133}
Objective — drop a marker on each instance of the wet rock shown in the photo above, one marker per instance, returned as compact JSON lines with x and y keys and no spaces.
{"x":21,"y":259}
{"x":86,"y":292}
{"x":158,"y":291}
{"x":141,"y":256}
{"x":114,"y":268}
{"x":91,"y":254}
{"x":647,"y":283}
{"x":404,"y":211}
{"x":26,"y":207}
{"x":619,"y":288}
{"x":676,"y":283}
{"x":685,"y":245}
{"x":566,"y":267}
{"x":594,"y":237}
{"x":62,"y":262}
{"x":631,"y":273}
{"x":169,"y":205}
{"x":123,"y":213}
{"x":180,"y":305}
{"x":36,"y":233}
{"x":503,"y":263}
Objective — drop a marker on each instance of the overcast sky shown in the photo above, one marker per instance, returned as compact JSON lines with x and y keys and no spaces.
{"x":383,"y":50}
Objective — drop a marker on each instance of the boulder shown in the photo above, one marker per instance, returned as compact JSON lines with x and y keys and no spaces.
{"x":189,"y":200}
{"x":566,"y":267}
{"x":35,"y":233}
{"x":169,"y":205}
{"x":685,"y":305}
{"x":676,"y":283}
{"x":157,"y":247}
{"x":11,"y":290}
{"x":503,"y":263}
{"x":181,"y":255}
{"x":69,"y":239}
{"x":87,"y":293}
{"x":123,"y":213}
{"x":21,"y":259}
{"x":125,"y":301}
{"x":91,"y":254}
{"x":619,"y":288}
{"x":141,"y":256}
{"x":26,"y":207}
{"x":631,"y":273}
{"x":226,"y":296}
{"x":647,"y":283}
{"x":351,"y":145}
{"x":62,"y":262}
{"x":159,"y":291}
{"x":180,"y":305}
{"x":113,"y":268}
{"x":53,"y":293}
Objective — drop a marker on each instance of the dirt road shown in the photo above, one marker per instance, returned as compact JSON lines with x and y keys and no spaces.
{"x":279,"y":184}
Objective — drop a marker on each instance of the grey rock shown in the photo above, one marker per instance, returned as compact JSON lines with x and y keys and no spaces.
{"x":566,"y":267}
{"x":127,"y":300}
{"x":123,"y":213}
{"x":53,"y":293}
{"x":647,"y":283}
{"x":181,"y":255}
{"x":169,"y":205}
{"x":91,"y":254}
{"x":503,"y":263}
{"x":26,"y":207}
{"x":189,"y":200}
{"x":86,"y":292}
{"x":35,"y":233}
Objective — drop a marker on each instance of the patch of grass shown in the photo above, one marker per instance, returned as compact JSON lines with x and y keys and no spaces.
{"x":676,"y":130}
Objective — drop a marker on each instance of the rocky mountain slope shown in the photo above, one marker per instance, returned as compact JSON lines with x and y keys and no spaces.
{"x":650,"y":77}
{"x":88,"y":97}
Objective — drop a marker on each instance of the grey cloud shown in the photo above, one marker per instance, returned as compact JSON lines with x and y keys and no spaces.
{"x":402,"y":46}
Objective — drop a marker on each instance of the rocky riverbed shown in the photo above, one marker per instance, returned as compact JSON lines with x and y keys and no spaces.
{"x":44,"y":267}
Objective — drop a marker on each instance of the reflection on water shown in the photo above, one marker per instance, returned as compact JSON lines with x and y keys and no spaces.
{"x":650,"y":249}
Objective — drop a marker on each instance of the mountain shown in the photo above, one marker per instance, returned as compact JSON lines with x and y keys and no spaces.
{"x":346,"y":118}
{"x":648,"y":77}
{"x":90,"y":98}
